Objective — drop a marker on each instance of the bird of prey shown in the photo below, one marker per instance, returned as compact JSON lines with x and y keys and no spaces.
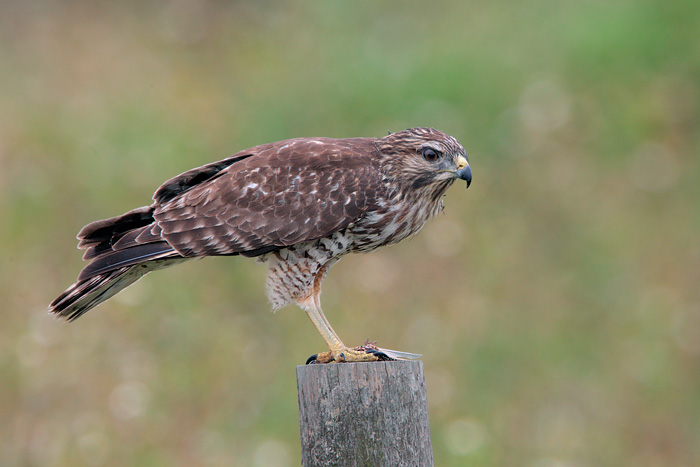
{"x":299,"y":205}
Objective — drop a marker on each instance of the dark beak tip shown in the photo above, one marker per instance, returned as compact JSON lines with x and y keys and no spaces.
{"x":466,"y":175}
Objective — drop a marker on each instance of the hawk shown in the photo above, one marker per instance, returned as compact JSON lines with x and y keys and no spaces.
{"x":299,"y":205}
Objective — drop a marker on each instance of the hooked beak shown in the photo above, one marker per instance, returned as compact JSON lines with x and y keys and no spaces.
{"x":463,"y":170}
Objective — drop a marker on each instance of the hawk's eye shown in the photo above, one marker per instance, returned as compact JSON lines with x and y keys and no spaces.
{"x":430,"y":154}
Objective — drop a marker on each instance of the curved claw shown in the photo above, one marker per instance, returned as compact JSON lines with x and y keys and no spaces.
{"x":381,"y":356}
{"x":311,"y":360}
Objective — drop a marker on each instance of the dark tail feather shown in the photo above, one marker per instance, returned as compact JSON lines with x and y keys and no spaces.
{"x":99,"y":236}
{"x":136,"y":254}
{"x":88,"y":293}
{"x":122,"y":250}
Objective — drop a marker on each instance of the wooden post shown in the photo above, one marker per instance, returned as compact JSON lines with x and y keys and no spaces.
{"x":364,"y":414}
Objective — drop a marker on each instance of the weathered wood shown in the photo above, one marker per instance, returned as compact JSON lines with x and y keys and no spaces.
{"x":364,"y":414}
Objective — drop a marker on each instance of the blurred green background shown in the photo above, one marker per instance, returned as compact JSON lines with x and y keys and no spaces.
{"x":556,"y":302}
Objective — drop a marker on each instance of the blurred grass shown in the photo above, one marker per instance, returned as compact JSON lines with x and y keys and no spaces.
{"x":555,"y":302}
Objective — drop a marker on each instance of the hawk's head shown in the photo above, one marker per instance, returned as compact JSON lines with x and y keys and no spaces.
{"x":424,"y":160}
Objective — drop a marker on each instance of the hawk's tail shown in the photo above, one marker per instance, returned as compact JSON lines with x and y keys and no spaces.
{"x":88,"y":293}
{"x":121,"y":250}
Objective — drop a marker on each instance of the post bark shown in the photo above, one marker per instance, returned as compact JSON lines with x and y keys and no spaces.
{"x":364,"y":414}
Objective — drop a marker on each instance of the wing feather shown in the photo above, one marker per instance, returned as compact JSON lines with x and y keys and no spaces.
{"x":279,"y":195}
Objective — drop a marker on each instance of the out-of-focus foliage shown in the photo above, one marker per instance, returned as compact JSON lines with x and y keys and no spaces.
{"x":556,"y":302}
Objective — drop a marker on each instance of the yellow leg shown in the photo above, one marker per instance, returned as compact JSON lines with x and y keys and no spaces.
{"x":339,"y":352}
{"x":315,"y":314}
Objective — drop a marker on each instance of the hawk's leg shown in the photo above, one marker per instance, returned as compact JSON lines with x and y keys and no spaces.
{"x":338,"y":352}
{"x":309,"y":299}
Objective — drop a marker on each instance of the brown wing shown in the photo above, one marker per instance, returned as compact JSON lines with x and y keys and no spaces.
{"x":273,"y":196}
